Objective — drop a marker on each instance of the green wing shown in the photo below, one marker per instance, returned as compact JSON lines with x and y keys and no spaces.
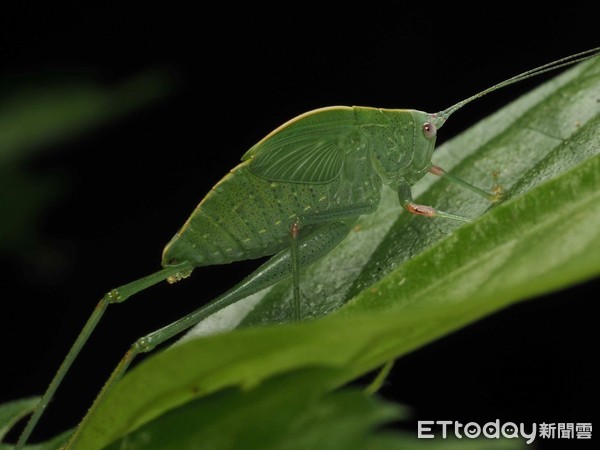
{"x":308,"y":149}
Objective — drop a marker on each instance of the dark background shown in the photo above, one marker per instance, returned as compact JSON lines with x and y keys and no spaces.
{"x":127,"y":187}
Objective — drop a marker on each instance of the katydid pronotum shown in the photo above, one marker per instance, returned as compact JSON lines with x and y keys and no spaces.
{"x":311,"y":179}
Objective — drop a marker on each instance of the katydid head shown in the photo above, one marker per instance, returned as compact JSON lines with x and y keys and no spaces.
{"x":424,"y":143}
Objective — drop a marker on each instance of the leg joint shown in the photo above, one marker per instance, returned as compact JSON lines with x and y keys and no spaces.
{"x":144,"y":345}
{"x":114,"y":296}
{"x":420,"y":210}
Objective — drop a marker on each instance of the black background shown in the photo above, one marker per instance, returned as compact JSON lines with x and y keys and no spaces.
{"x":241,"y":72}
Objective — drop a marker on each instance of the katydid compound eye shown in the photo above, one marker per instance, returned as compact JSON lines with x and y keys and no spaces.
{"x":429,"y":130}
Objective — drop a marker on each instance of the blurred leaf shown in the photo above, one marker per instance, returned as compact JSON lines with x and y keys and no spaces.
{"x":405,"y":441}
{"x":37,"y":116}
{"x":24,"y":197}
{"x":271,"y":416}
{"x":11,"y":413}
{"x":41,"y":114}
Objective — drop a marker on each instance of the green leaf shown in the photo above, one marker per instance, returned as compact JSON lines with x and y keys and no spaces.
{"x":274,"y":417}
{"x":271,"y":416}
{"x":403,"y":281}
{"x":12,"y":412}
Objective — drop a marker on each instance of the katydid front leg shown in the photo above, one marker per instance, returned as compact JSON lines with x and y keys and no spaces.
{"x":406,"y":200}
{"x":493,"y":197}
{"x":309,"y":248}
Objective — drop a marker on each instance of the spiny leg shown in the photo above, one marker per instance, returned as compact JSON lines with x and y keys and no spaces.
{"x":310,"y":248}
{"x":343,"y":213}
{"x":117,"y":295}
{"x":295,"y":234}
{"x":493,"y":197}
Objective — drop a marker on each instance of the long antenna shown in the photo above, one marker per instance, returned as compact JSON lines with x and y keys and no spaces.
{"x":578,"y":57}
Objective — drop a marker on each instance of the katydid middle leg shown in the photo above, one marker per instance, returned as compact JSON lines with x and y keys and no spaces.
{"x":406,"y":200}
{"x":309,"y":248}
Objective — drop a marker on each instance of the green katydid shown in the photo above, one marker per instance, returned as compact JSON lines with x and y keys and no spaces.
{"x":296,"y":195}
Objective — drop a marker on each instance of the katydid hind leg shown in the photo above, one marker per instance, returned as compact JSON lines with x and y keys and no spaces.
{"x":345,"y":213}
{"x":310,"y":248}
{"x":117,"y":295}
{"x":295,"y":257}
